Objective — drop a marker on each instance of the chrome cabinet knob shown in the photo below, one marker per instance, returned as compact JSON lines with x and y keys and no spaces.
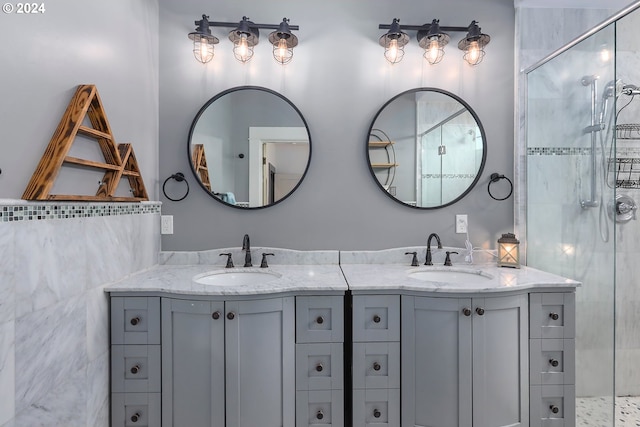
{"x":216,"y":315}
{"x":554,"y":316}
{"x":231,"y":315}
{"x":554,"y":409}
{"x":319,"y":367}
{"x":376,"y":319}
{"x":135,"y":369}
{"x":135,"y":417}
{"x":135,"y":320}
{"x":376,"y":413}
{"x":466,"y":311}
{"x":319,"y":415}
{"x":553,"y":362}
{"x":480,"y":311}
{"x":376,"y":366}
{"x":320,"y":320}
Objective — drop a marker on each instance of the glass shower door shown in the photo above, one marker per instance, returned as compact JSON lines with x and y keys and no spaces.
{"x":569,"y":109}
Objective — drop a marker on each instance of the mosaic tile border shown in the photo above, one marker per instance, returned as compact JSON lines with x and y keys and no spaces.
{"x":621,"y":151}
{"x":558,"y":151}
{"x":448,"y":176}
{"x":12,"y":211}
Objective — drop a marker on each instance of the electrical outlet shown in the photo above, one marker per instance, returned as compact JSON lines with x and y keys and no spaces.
{"x":166,"y":224}
{"x":462,"y":223}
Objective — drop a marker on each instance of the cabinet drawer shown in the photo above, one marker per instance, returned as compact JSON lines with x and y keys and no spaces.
{"x":320,"y":408}
{"x":320,"y":319}
{"x":552,"y":361}
{"x":135,"y":320}
{"x":552,"y":315}
{"x":376,"y":365}
{"x":135,"y":410}
{"x":319,"y":366}
{"x":376,"y":318}
{"x":135,"y":368}
{"x":376,"y":408}
{"x":553,"y":406}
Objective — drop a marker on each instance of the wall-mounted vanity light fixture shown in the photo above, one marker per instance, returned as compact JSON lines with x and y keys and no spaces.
{"x":244,"y":36}
{"x":433,"y":38}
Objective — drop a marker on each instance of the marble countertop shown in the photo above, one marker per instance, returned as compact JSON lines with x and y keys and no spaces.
{"x":477,"y":278}
{"x":178,"y":279}
{"x":322,"y":271}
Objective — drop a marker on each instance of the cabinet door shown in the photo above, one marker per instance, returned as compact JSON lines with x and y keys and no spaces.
{"x":193,"y":363}
{"x":436,"y":362}
{"x":260,"y":371}
{"x":500,"y":361}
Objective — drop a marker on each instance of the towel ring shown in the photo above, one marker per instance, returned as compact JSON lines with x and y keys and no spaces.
{"x":495,"y":178}
{"x":179,"y":176}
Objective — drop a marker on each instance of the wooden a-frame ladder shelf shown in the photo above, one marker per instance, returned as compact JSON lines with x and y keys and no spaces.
{"x":119,"y":159}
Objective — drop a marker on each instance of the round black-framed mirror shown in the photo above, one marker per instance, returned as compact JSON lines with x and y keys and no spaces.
{"x":249,"y":147}
{"x":426,"y":148}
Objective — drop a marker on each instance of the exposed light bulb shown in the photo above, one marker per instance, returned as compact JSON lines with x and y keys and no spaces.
{"x":202,"y":49}
{"x":474,"y":53}
{"x":241,"y":49}
{"x":282,"y":52}
{"x":605,"y":55}
{"x":434,"y":52}
{"x":394,"y":52}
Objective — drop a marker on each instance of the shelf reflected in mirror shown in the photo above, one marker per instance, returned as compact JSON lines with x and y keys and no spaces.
{"x":426,"y":148}
{"x":249,"y":147}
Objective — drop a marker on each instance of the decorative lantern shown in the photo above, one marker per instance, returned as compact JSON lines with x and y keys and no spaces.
{"x":508,"y":251}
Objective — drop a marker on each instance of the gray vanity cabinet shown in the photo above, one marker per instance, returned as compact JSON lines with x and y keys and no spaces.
{"x":228,"y":363}
{"x":464,"y":361}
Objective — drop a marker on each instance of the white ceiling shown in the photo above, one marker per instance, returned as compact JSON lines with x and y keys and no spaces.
{"x":578,"y":4}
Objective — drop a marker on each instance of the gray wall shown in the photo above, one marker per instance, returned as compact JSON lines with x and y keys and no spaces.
{"x":113,"y":45}
{"x":338,"y":88}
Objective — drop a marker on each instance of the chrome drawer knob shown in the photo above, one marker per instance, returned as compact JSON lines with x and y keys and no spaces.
{"x":320,"y":320}
{"x":376,"y":413}
{"x":554,"y":316}
{"x":553,"y":362}
{"x":554,"y":409}
{"x":376,"y":366}
{"x":135,"y":417}
{"x":319,"y":367}
{"x":376,"y":319}
{"x":135,"y":320}
{"x":135,"y":369}
{"x":319,"y":415}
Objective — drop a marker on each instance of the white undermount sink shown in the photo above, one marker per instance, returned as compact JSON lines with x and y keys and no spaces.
{"x":452,"y":276}
{"x":236,"y":277}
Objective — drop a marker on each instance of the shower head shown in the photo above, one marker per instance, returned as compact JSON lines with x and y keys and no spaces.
{"x":587,"y":80}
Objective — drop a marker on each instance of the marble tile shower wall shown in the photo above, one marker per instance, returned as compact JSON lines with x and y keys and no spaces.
{"x":54,"y":352}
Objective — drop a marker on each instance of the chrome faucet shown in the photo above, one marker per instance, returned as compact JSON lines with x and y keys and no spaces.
{"x":246,"y":247}
{"x":428,"y":259}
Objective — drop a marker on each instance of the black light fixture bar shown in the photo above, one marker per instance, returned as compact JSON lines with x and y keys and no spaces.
{"x":423,"y":27}
{"x":253,"y":25}
{"x":433,"y":38}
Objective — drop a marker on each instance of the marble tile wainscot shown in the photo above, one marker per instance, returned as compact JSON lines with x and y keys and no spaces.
{"x":55,"y":259}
